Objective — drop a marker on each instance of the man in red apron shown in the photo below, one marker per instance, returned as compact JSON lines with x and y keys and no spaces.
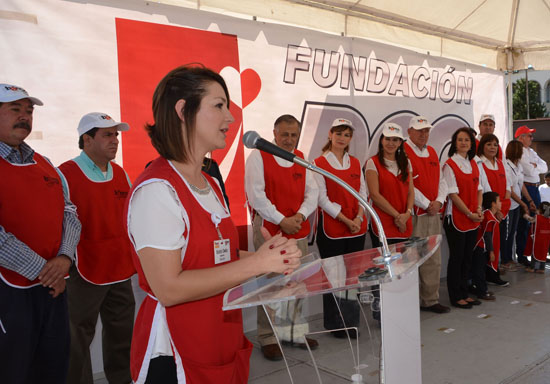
{"x":100,"y":280}
{"x":39,"y":231}
{"x":430,"y":192}
{"x":282,"y":195}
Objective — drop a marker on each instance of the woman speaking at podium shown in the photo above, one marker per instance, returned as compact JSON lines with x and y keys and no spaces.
{"x":342,"y":222}
{"x":186,"y":246}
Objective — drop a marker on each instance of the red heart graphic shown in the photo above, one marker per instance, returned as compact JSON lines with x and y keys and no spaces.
{"x":250,"y":86}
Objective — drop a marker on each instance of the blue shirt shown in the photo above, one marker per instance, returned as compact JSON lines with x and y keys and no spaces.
{"x":16,"y":255}
{"x":91,"y":170}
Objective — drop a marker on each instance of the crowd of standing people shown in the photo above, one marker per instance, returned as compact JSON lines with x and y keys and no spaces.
{"x":172,"y":226}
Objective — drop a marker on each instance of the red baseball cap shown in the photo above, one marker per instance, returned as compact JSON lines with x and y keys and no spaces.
{"x":523,"y":130}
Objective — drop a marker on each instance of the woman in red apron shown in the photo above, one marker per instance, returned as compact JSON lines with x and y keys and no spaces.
{"x":390,"y":186}
{"x":391,"y":189}
{"x":342,"y":222}
{"x":488,"y":152}
{"x":186,"y":246}
{"x":463,"y":214}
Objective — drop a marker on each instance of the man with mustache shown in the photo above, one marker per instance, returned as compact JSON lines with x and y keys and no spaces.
{"x":100,"y":279}
{"x":39,"y":231}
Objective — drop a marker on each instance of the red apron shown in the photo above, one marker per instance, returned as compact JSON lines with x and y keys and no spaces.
{"x":104,"y":253}
{"x":208,"y":344}
{"x":425,"y":174}
{"x":395,"y":191}
{"x":31,"y":209}
{"x":467,"y":191}
{"x":497,"y":182}
{"x":333,"y":228}
{"x":538,"y":240}
{"x":285,"y":188}
{"x":491,"y":224}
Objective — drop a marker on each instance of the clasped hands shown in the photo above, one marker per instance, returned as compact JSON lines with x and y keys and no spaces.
{"x":53,"y":274}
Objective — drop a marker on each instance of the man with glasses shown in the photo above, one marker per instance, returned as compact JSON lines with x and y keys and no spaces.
{"x":533,"y":166}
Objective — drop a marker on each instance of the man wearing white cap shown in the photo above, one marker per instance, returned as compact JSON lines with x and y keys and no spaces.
{"x":39,"y":231}
{"x":430,"y":192}
{"x":533,"y":166}
{"x":100,"y":280}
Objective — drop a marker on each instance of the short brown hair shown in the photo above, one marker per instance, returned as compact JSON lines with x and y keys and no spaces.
{"x":514,"y":151}
{"x":187,"y":82}
{"x":484,"y":140}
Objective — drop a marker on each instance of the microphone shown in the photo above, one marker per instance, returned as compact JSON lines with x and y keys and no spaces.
{"x":252,"y":139}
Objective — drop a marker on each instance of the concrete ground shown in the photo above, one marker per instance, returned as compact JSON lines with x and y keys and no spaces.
{"x":501,"y":342}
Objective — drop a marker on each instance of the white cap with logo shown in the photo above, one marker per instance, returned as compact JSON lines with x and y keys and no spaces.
{"x":338,"y":122}
{"x":9,"y":93}
{"x":487,"y":116}
{"x":99,"y":120}
{"x":419,"y":122}
{"x":392,"y":130}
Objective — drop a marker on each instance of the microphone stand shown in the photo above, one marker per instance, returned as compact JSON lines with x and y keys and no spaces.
{"x":387,"y":256}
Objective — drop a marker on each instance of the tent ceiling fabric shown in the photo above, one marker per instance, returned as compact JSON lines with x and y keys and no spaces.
{"x":500,"y":34}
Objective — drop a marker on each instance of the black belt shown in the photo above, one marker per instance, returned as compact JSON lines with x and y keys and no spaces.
{"x":531,"y":184}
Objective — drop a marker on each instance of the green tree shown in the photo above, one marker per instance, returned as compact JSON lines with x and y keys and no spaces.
{"x":536,"y":108}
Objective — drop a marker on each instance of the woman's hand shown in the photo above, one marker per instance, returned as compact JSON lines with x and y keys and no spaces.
{"x":400,"y":221}
{"x":278,"y":254}
{"x":475,"y":217}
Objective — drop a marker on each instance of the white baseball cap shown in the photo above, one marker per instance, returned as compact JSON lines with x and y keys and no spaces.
{"x":392,"y":130}
{"x":9,"y":93}
{"x":99,"y":120}
{"x":487,"y":116}
{"x":419,"y":122}
{"x":346,"y":122}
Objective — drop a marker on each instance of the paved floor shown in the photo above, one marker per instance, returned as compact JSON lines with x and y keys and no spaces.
{"x":503,"y":342}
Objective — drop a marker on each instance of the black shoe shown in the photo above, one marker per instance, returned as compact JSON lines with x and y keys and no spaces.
{"x":474,"y":302}
{"x":499,"y":282}
{"x":436,"y":308}
{"x":463,"y":306}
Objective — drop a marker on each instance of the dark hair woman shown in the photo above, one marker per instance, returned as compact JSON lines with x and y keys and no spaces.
{"x":488,"y":152}
{"x":342,"y":223}
{"x":390,"y":186}
{"x":176,"y":217}
{"x":463,"y":214}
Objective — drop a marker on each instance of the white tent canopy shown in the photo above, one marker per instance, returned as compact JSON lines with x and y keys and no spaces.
{"x":499,"y":34}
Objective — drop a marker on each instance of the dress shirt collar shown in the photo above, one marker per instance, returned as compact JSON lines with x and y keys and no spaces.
{"x":22,"y":156}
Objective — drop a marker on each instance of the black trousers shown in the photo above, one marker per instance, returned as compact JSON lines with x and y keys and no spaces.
{"x":479,"y":265}
{"x":461,"y":248}
{"x":348,"y":305}
{"x":34,"y":336}
{"x":162,"y":370}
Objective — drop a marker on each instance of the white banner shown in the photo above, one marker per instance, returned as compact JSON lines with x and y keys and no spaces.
{"x":108,"y":56}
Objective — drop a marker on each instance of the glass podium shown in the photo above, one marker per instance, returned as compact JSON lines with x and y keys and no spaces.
{"x":388,"y":285}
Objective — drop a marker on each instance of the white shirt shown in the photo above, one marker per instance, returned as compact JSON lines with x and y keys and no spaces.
{"x":254,"y":184}
{"x":449,"y":175}
{"x":515,"y":174}
{"x":494,"y":167}
{"x":485,"y":187}
{"x":157,"y":219}
{"x":332,"y":208}
{"x":530,"y":172}
{"x":419,"y":199}
{"x":544,"y":190}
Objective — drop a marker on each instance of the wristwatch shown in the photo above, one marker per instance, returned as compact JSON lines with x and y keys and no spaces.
{"x":359,"y":217}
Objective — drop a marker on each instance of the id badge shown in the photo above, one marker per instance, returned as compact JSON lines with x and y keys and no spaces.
{"x":222,"y":251}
